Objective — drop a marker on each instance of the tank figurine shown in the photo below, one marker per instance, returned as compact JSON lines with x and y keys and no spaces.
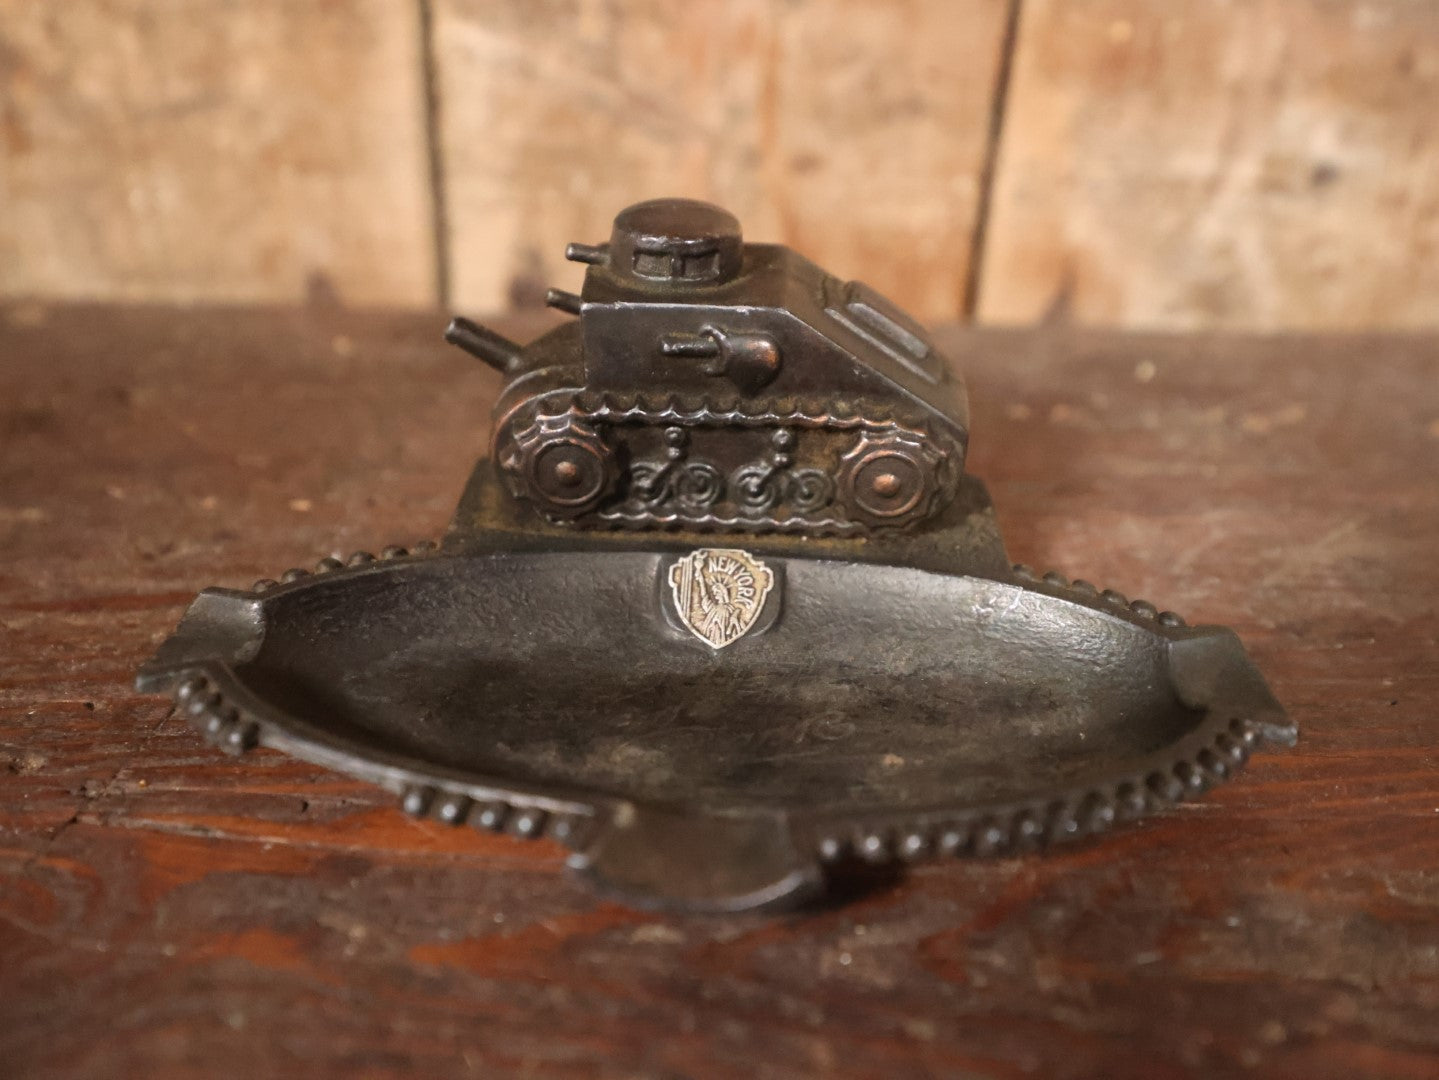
{"x":738,"y":726}
{"x":710,"y":384}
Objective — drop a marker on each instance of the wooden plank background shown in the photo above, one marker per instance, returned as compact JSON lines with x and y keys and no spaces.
{"x":204,"y":149}
{"x":1256,"y":164}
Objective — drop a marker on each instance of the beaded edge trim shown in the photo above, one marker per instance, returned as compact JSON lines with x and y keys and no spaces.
{"x":1211,"y":760}
{"x":979,"y":832}
{"x":230,"y":729}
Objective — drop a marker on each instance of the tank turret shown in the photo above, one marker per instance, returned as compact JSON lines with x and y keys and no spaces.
{"x":715,"y":385}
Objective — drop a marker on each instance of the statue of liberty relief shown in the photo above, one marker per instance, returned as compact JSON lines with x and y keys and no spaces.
{"x":719,"y":593}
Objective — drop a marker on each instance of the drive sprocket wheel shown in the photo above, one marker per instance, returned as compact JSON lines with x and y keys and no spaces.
{"x":563,"y":465}
{"x":889,"y":479}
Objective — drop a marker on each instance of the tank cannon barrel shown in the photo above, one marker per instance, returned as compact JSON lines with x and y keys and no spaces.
{"x":594,"y":254}
{"x":568,"y":302}
{"x":494,"y":349}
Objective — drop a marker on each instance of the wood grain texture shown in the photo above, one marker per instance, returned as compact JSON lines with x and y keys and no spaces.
{"x":206,"y":150}
{"x":1264,"y":164}
{"x":166,"y":911}
{"x":1252,"y":164}
{"x":853,"y":130}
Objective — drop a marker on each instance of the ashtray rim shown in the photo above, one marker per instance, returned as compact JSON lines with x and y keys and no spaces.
{"x":1242,"y":715}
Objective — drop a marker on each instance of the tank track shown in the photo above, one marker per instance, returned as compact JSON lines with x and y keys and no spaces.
{"x":636,"y":462}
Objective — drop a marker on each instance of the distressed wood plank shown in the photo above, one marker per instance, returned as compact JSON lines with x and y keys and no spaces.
{"x":165,"y":910}
{"x":853,"y":130}
{"x":205,"y":150}
{"x":1260,"y":164}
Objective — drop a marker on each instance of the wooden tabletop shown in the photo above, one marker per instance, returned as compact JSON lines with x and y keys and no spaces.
{"x":167,"y":911}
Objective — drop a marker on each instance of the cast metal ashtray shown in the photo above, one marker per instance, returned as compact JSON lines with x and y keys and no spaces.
{"x":722,"y":611}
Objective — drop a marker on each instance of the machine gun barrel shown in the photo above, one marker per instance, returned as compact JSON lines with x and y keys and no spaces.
{"x":494,"y":349}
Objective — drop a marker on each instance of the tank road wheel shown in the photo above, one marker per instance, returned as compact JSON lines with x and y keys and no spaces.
{"x":563,"y":466}
{"x":889,"y":480}
{"x":698,"y":486}
{"x":756,"y":487}
{"x":811,"y":490}
{"x":649,"y":482}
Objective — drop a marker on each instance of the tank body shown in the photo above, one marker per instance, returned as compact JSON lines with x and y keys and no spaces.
{"x":714,"y":385}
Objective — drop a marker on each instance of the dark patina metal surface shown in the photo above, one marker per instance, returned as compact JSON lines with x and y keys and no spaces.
{"x":723,"y":614}
{"x":719,"y":386}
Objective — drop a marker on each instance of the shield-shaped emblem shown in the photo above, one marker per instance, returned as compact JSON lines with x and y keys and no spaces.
{"x":719,"y":593}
